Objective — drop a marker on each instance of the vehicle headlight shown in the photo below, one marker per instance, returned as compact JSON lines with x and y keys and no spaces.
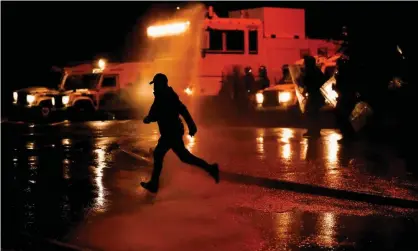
{"x":30,"y":99}
{"x":53,"y":101}
{"x":284,"y":97}
{"x":15,"y":96}
{"x":65,"y":99}
{"x":259,"y":98}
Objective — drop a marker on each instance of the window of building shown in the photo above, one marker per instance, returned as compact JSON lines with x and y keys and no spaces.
{"x":215,"y":40}
{"x":253,"y":42}
{"x":234,"y":41}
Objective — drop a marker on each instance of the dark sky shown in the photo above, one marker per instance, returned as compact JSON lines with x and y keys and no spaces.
{"x":37,"y":35}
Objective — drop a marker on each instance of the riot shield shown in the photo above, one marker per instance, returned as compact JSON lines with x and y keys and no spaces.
{"x":329,"y":94}
{"x":358,"y":118}
{"x":301,"y":99}
{"x":295,"y":73}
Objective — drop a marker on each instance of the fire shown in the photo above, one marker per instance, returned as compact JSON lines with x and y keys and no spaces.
{"x":168,"y":29}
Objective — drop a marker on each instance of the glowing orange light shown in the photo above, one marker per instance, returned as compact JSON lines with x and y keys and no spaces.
{"x":327,"y":224}
{"x":286,"y":151}
{"x":188,"y":91}
{"x":191,"y":143}
{"x":100,"y":202}
{"x":259,"y":98}
{"x":260,"y":143}
{"x":329,"y":93}
{"x":284,"y":97}
{"x":333,"y":147}
{"x":102,"y":64}
{"x":168,"y":29}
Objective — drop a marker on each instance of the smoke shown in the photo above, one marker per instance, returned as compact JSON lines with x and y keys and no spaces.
{"x":177,"y":56}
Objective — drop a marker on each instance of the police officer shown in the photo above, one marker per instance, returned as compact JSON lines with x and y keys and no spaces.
{"x":313,"y":79}
{"x":264,"y":79}
{"x":346,"y":101}
{"x":165,"y":111}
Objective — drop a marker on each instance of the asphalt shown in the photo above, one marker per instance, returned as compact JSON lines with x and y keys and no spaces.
{"x":76,"y":186}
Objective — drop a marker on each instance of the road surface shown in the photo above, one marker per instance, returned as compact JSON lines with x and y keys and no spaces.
{"x":77,"y":185}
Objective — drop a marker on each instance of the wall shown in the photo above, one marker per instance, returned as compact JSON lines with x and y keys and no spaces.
{"x":257,"y":13}
{"x":273,"y":53}
{"x":284,"y":22}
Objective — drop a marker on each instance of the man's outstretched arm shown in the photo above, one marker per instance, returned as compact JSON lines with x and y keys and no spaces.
{"x":184,"y":112}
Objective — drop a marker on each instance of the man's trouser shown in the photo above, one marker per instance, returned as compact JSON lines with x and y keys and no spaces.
{"x":313,"y":106}
{"x":343,"y":111}
{"x":165,"y":143}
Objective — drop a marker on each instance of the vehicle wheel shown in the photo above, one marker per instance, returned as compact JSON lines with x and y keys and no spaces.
{"x":83,"y":111}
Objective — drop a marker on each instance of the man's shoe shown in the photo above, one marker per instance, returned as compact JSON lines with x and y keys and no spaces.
{"x":150,"y":186}
{"x":214,"y":172}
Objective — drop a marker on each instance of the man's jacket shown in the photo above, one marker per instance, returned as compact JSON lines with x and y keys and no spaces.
{"x":166,"y":111}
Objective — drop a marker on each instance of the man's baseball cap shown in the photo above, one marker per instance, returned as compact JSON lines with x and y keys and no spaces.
{"x":159,"y":78}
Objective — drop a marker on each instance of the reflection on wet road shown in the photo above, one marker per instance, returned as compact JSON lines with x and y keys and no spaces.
{"x":283,"y":154}
{"x":55,"y":179}
{"x":50,"y":182}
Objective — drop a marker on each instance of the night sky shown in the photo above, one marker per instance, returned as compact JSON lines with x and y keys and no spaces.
{"x":37,"y":35}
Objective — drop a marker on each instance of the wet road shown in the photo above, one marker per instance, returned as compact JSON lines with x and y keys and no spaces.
{"x":72,"y":182}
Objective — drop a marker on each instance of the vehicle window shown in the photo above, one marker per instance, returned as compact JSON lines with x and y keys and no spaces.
{"x":215,"y":40}
{"x":235,"y":41}
{"x":109,"y":81}
{"x":85,"y":81}
{"x":253,"y":42}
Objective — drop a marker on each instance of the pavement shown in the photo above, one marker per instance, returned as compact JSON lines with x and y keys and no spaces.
{"x":78,"y":184}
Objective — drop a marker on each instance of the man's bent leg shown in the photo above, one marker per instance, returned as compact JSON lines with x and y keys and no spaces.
{"x":160,"y":151}
{"x":185,"y":156}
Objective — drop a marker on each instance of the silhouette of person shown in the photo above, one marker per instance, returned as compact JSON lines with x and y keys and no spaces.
{"x":313,"y":79}
{"x":264,"y":79}
{"x":346,"y":101}
{"x":249,"y":81}
{"x":166,"y":111}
